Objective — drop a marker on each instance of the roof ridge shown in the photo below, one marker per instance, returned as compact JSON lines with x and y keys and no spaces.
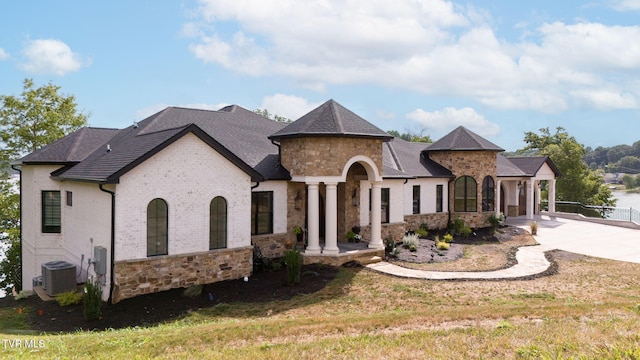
{"x":76,"y":141}
{"x":394,"y":156}
{"x":336,"y":113}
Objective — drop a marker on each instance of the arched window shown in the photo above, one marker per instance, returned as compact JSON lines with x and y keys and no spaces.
{"x":465,"y":193}
{"x":488,"y":194}
{"x":157,"y":227}
{"x":218,"y":223}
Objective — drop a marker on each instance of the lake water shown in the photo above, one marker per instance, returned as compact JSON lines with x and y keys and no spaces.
{"x":627,"y":200}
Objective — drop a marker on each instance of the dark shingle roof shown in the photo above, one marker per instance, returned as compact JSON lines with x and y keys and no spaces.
{"x":238,"y":134}
{"x":463,"y":139}
{"x":331,"y":119}
{"x":406,"y":160}
{"x":506,"y":168}
{"x":72,"y":148}
{"x":530,"y":165}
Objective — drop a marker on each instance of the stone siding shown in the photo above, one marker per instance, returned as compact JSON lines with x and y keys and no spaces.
{"x":326,"y":156}
{"x":477,"y":164}
{"x":433,"y":221}
{"x":273,"y":245}
{"x":154,"y":274}
{"x":394,"y":231}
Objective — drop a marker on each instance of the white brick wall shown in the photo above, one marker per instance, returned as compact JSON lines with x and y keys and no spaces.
{"x":279,"y":189}
{"x":88,"y":218}
{"x":187,"y":174}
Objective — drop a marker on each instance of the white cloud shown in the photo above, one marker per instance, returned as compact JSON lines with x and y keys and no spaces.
{"x":288,"y":106}
{"x":3,"y":54}
{"x":50,"y":56}
{"x":604,"y":99}
{"x":625,"y":5}
{"x":433,"y":47}
{"x":449,"y":118}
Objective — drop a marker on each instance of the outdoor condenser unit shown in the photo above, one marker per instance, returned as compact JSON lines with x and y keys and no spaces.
{"x":58,"y":277}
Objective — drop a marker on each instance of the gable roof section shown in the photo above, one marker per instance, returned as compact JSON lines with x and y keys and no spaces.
{"x":331,"y":119}
{"x":403,"y":159}
{"x":530,"y":165}
{"x":464,"y":139}
{"x":72,"y":148}
{"x":236,"y":133}
{"x":506,"y":168}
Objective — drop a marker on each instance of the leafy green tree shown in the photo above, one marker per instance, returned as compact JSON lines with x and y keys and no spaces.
{"x":629,"y":181}
{"x":578,"y":182}
{"x":274,"y":117}
{"x":28,"y":122}
{"x":411,"y":137}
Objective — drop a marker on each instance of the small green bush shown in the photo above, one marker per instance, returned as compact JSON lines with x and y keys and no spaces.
{"x":92,"y":301}
{"x":458,"y":226}
{"x":293,"y":260}
{"x":276,"y":265}
{"x":69,"y":298}
{"x":496,"y":219}
{"x":442,"y":246}
{"x":413,"y":248}
{"x":448,"y":238}
{"x":192,"y":291}
{"x":466,"y":231}
{"x":422,"y":233}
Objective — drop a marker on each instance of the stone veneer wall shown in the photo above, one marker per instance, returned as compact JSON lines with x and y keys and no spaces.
{"x":477,"y":164}
{"x":326,"y":156}
{"x":394,"y":231}
{"x":273,"y":245}
{"x":154,"y":274}
{"x":433,"y":221}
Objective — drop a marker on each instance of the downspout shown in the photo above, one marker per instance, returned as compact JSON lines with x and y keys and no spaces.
{"x":256,"y":185}
{"x":113,"y":239}
{"x":19,"y":287}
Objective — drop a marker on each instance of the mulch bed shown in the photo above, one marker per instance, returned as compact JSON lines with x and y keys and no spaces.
{"x":170,"y":305}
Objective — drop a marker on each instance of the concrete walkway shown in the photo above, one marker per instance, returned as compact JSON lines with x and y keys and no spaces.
{"x":577,"y":236}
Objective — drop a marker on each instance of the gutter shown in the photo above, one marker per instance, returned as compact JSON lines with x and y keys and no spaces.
{"x":19,"y":286}
{"x":113,"y":239}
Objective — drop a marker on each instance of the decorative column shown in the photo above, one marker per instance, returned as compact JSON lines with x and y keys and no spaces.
{"x":313,"y":219}
{"x":331,"y":219}
{"x":529,"y":194}
{"x":497,"y":197}
{"x":538,"y":204}
{"x":376,"y":209}
{"x":552,"y":196}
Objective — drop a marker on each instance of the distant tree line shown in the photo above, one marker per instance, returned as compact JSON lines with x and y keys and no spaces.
{"x":615,"y":159}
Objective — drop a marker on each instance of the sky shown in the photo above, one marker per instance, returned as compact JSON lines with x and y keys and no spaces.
{"x":500,"y":68}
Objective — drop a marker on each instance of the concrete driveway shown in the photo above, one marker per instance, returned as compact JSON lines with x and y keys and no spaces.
{"x":584,"y":237}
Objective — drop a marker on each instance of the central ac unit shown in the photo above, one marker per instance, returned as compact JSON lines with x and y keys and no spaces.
{"x":58,"y":277}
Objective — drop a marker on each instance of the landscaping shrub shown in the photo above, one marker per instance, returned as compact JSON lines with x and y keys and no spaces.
{"x":457,"y":226}
{"x":92,"y":301}
{"x":410,"y":239}
{"x":448,"y":238}
{"x":496,"y":219}
{"x":389,"y":244}
{"x":422,"y":233}
{"x":442,"y":245}
{"x":534,"y":228}
{"x":68,"y":298}
{"x":192,"y":291}
{"x":293,"y":260}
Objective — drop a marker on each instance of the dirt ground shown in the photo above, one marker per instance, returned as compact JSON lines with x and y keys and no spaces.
{"x":482,"y":251}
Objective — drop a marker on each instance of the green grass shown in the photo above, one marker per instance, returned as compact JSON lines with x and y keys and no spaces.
{"x":589,"y":310}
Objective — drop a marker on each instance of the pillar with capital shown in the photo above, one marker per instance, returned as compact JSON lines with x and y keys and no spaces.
{"x":331,"y":219}
{"x":376,"y":204}
{"x":313,"y":225}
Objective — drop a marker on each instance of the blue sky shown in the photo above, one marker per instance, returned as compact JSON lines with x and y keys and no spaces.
{"x":500,"y":68}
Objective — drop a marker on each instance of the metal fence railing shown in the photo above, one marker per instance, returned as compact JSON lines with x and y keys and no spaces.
{"x":603,"y":212}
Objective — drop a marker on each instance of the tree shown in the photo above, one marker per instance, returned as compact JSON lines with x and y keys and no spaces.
{"x":578,"y":182}
{"x":629,"y":181}
{"x":274,"y":117}
{"x":411,"y":137}
{"x":36,"y":118}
